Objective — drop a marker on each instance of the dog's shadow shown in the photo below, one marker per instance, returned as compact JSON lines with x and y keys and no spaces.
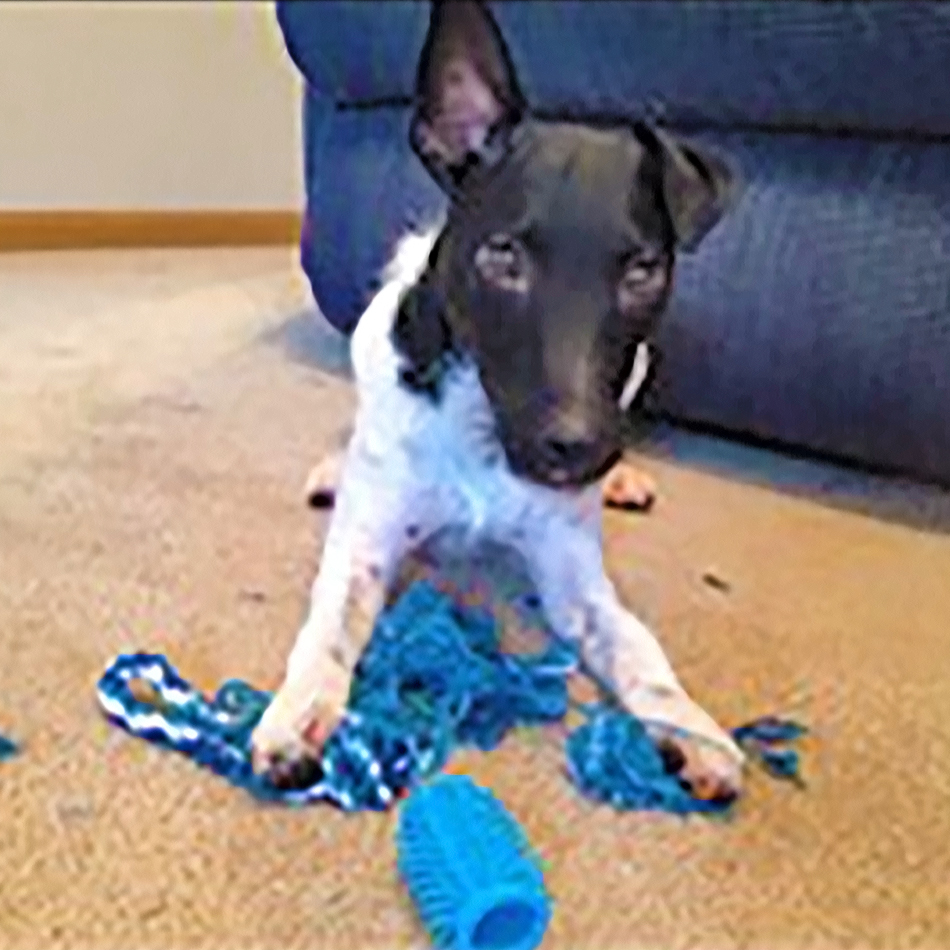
{"x":307,"y":337}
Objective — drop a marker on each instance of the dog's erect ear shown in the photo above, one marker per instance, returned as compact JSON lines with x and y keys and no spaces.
{"x":467,"y":93}
{"x":698,"y":185}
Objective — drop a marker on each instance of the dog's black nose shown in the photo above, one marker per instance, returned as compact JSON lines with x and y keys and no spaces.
{"x":568,"y":439}
{"x":574,"y":461}
{"x":568,"y":453}
{"x":569,"y":450}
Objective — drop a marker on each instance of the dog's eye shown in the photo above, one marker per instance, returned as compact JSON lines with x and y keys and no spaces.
{"x":502,"y":263}
{"x":642,"y":278}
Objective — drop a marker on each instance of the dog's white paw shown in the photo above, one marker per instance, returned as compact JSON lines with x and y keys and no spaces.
{"x":711,"y":770}
{"x":275,"y":740}
{"x":705,"y":758}
{"x":286,"y":744}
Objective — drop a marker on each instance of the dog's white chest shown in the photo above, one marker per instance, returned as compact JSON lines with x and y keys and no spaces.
{"x":446,"y":447}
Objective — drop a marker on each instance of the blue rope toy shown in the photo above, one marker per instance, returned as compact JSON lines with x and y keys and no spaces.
{"x":8,"y":748}
{"x":432,"y":678}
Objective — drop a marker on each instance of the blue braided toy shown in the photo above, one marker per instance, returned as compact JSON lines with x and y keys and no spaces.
{"x":8,"y":748}
{"x":433,"y":677}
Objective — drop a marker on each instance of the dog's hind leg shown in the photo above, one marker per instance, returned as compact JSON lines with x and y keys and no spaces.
{"x":629,"y":488}
{"x":324,"y":479}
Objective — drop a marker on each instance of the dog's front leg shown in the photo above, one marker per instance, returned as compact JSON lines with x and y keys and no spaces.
{"x":582,"y":604}
{"x":370,"y":530}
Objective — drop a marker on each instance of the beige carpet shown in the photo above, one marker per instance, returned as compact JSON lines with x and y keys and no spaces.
{"x":152,"y":453}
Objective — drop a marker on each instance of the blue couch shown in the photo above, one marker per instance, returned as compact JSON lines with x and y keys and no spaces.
{"x":817,"y":315}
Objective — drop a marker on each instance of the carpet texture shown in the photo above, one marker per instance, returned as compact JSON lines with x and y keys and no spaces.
{"x":169,"y":517}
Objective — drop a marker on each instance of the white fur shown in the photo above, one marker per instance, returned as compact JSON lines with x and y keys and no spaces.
{"x":638,"y":375}
{"x":414,"y":467}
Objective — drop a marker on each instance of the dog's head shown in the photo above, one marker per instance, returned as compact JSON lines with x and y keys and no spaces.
{"x":556,"y":261}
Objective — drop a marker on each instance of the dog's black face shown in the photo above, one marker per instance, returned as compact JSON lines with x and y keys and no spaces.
{"x":557,"y":256}
{"x":555,"y":264}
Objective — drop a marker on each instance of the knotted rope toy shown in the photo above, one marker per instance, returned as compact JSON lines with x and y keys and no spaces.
{"x":432,"y":678}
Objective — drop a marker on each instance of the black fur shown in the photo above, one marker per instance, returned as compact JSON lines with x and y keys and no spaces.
{"x":421,"y":335}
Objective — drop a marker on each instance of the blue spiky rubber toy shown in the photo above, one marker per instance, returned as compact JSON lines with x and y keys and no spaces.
{"x":469,"y":868}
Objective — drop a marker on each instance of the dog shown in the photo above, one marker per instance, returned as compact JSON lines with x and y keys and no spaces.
{"x":490,"y":370}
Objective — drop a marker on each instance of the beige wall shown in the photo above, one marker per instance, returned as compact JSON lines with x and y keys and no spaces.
{"x":135,"y":104}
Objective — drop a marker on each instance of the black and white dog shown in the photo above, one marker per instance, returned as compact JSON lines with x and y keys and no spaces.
{"x":490,"y":369}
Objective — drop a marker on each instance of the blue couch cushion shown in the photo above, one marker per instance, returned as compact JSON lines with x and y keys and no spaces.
{"x":818,"y":313}
{"x":365,"y":189}
{"x":880,"y":67}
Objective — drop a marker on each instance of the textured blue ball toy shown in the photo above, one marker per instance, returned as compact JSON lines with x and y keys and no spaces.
{"x":469,"y":868}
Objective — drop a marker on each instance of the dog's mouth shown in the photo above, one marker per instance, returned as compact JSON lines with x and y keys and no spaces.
{"x":575,"y":473}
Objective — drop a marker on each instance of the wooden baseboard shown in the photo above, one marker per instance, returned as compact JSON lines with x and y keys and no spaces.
{"x":86,"y":230}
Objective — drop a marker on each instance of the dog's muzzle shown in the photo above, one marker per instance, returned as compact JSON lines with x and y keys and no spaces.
{"x":561,"y":458}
